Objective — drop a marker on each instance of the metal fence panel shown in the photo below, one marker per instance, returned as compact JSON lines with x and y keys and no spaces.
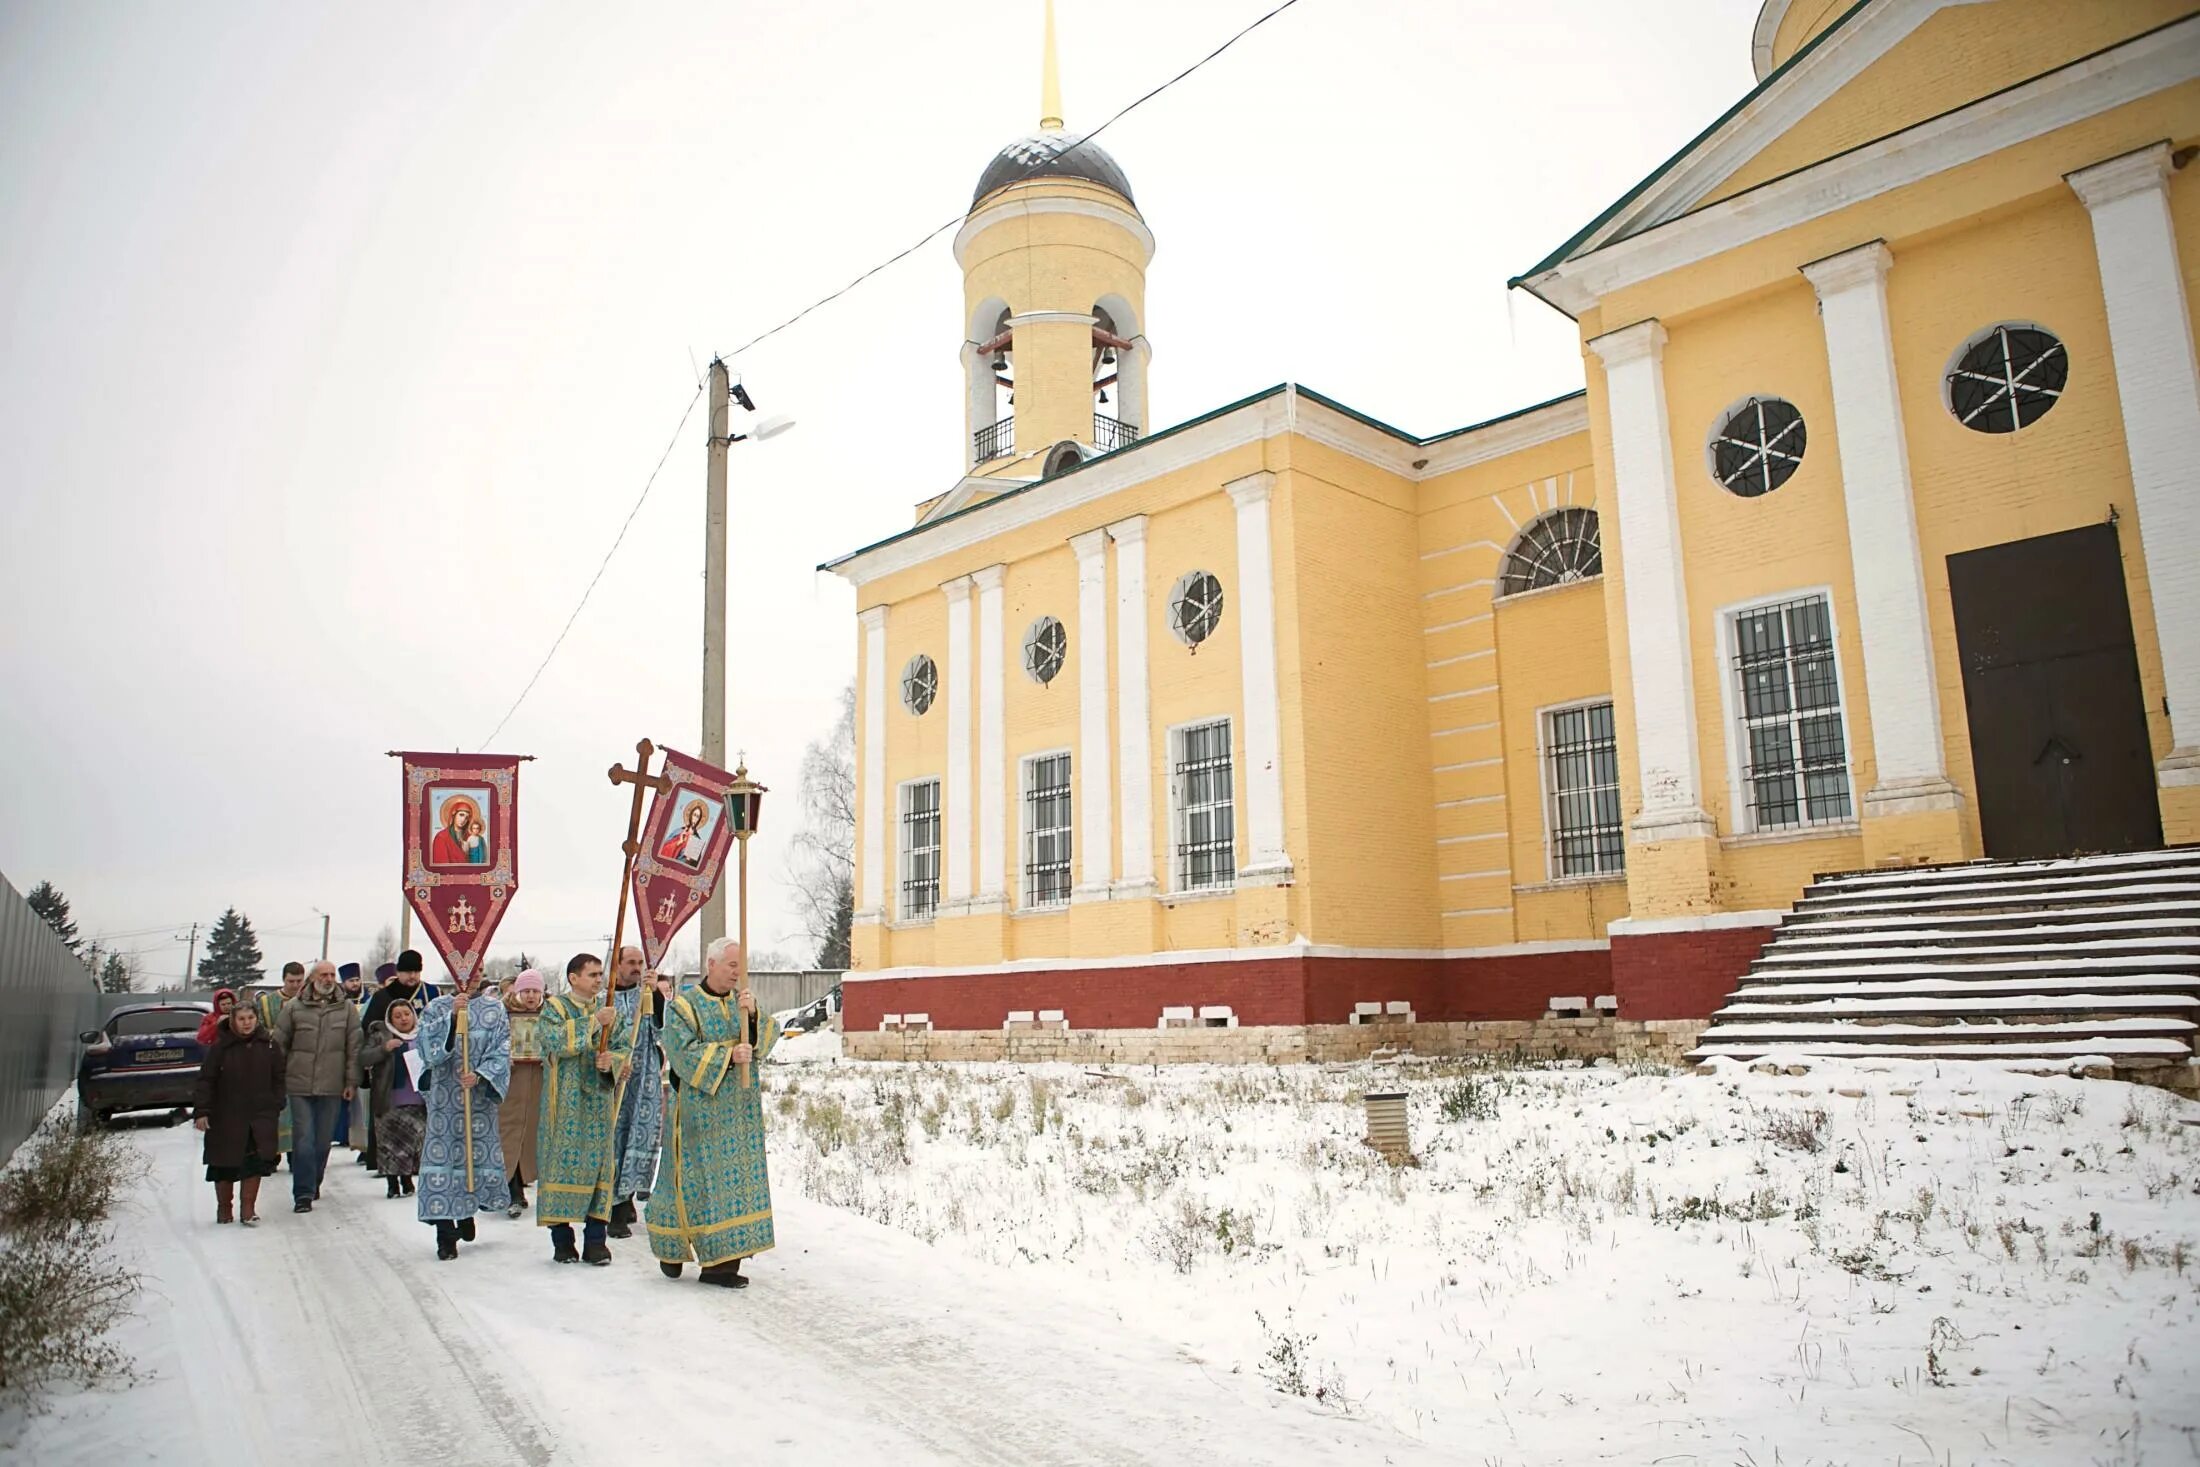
{"x":47,"y":998}
{"x":778,"y":992}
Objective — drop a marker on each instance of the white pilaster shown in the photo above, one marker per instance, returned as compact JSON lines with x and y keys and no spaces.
{"x":1656,"y":590}
{"x":2158,"y":383}
{"x":1267,"y":860}
{"x":1888,"y":570}
{"x":992,"y":749}
{"x":1095,"y":811}
{"x":871,"y":894}
{"x":1134,"y":735}
{"x":955,"y":794}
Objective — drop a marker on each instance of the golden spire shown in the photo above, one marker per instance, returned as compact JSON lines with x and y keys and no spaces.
{"x":1050,"y":82}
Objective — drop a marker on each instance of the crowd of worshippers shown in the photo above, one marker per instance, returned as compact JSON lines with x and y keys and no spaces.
{"x":463,"y":1095}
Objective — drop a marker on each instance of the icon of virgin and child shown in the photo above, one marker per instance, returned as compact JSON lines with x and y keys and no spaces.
{"x":464,"y":837}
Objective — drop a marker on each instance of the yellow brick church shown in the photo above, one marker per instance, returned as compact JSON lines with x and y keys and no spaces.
{"x":1874,"y":540}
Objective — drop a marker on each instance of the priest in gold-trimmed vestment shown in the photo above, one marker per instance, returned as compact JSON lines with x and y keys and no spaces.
{"x":713,"y":1201}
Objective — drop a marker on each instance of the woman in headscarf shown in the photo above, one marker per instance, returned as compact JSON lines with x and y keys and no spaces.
{"x":240,"y":1093}
{"x":400,"y":1110}
{"x":521,"y":1113}
{"x":210,"y":1027}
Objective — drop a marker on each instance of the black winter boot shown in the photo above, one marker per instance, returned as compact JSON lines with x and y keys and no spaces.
{"x":393,"y":1192}
{"x":446,"y":1241}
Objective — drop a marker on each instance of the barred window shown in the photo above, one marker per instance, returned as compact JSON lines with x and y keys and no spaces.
{"x":1795,"y":768}
{"x":1045,"y":645}
{"x":1581,"y":753}
{"x":2007,"y":378}
{"x":1758,"y":446}
{"x":920,"y":683}
{"x":1206,"y":807}
{"x":920,"y":849}
{"x":1195,"y":607}
{"x":1562,"y":546}
{"x":1046,"y":830}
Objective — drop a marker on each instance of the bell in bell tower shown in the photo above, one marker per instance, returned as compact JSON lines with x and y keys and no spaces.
{"x":1054,"y":256}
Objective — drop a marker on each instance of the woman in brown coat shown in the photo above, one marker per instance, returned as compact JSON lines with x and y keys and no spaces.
{"x":240,"y":1095}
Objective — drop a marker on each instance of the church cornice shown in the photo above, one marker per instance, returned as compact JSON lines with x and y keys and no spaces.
{"x":1284,"y":408}
{"x":1008,"y":204}
{"x":1607,"y":257}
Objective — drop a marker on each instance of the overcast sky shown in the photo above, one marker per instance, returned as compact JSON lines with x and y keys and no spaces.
{"x":339,"y":340}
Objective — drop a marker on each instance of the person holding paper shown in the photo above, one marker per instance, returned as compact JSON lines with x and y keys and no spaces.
{"x":392,"y":1058}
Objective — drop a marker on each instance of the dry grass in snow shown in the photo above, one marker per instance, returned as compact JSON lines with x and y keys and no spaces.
{"x":1898,"y":1265}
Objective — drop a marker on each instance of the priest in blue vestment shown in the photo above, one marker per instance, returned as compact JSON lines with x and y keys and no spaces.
{"x":481,"y":1067}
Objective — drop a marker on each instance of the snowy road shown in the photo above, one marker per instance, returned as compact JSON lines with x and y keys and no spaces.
{"x":339,"y":1333}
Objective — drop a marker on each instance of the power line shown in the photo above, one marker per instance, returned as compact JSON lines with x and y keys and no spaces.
{"x":885,"y":264}
{"x":601,"y":567}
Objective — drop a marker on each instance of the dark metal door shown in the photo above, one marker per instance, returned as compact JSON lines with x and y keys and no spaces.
{"x":2051,"y":689}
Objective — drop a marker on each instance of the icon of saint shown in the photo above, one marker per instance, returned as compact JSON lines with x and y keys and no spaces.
{"x":686,"y":845}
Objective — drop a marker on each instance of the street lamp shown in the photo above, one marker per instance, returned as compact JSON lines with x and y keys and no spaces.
{"x":723,"y":393}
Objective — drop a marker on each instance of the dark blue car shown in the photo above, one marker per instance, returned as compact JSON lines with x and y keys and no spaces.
{"x":145,"y":1057}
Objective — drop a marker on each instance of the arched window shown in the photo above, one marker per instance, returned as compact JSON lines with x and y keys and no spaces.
{"x":1560,"y":547}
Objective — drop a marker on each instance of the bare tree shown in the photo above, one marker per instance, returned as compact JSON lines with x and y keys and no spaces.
{"x":823,"y":862}
{"x":384,"y":949}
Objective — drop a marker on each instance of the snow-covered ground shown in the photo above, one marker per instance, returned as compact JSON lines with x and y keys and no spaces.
{"x":983,"y":1263}
{"x":1899,"y":1264}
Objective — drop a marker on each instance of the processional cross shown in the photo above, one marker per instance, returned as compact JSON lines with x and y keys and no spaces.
{"x":644,"y":782}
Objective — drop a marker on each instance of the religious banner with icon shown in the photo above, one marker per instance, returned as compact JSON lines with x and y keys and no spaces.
{"x":683,"y":847}
{"x":461,"y":849}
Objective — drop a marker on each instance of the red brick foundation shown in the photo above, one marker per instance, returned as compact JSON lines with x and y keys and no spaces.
{"x":1681,"y":975}
{"x":1292,"y":990}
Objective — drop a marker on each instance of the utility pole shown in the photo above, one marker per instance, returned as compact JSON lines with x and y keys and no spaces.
{"x":324,"y":937}
{"x":190,"y":954}
{"x":714,"y":612}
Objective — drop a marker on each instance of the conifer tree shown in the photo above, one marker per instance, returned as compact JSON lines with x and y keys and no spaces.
{"x":232,"y":953}
{"x":48,"y":902}
{"x":115,"y":975}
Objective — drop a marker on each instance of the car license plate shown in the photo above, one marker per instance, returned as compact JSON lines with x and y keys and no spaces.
{"x":158,"y":1057}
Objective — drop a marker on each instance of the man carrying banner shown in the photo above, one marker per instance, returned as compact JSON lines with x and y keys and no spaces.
{"x":642,"y":1105}
{"x":577,"y":1170}
{"x":714,"y":1202}
{"x":465,"y":1076}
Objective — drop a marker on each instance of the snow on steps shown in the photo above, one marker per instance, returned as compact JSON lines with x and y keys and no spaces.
{"x":2087,"y":961}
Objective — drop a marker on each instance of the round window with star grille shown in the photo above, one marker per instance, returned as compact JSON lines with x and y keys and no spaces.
{"x":1759,"y":445}
{"x":1195,"y":607}
{"x":920,"y":683}
{"x":1559,"y":548}
{"x":2007,"y":377}
{"x":1045,"y":645}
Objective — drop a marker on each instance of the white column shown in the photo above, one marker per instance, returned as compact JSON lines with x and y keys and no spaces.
{"x":1656,"y":590}
{"x":1267,"y":861}
{"x":871,"y":897}
{"x":1886,"y":565}
{"x":2158,"y":383}
{"x":1134,"y":736}
{"x":992,"y":748}
{"x":1095,"y":797}
{"x":955,"y":793}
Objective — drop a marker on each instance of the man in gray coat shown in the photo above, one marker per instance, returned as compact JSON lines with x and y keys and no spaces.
{"x":319,"y":1033}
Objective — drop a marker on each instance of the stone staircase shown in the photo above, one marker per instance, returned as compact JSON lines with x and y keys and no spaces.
{"x":2085,"y":963}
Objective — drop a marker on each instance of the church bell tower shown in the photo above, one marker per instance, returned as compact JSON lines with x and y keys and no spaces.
{"x":1054,"y":257}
